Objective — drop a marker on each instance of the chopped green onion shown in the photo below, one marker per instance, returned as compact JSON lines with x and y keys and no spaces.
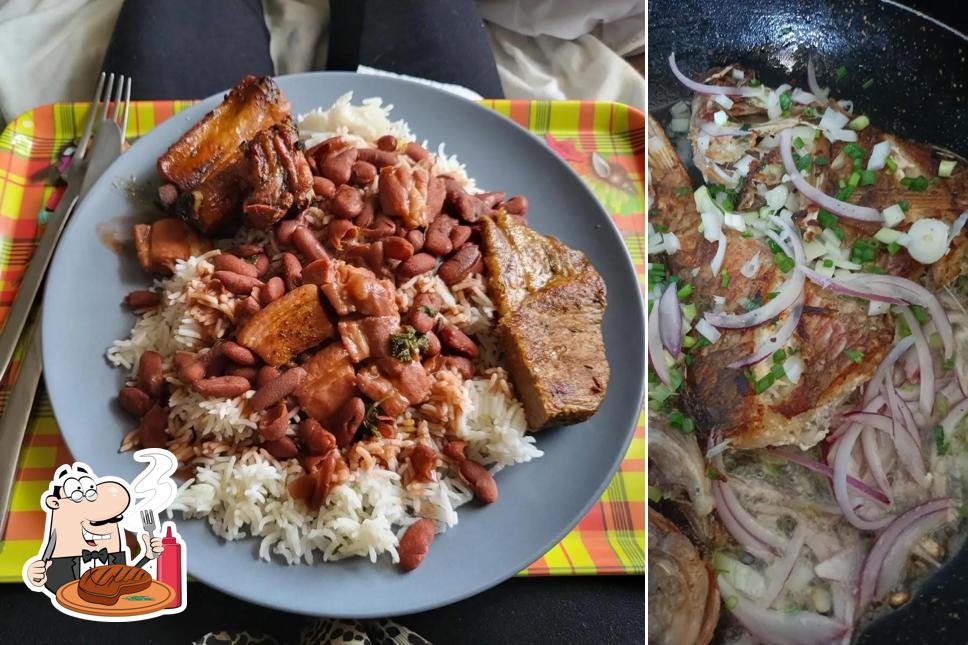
{"x":754,"y":82}
{"x":868,"y":177}
{"x":826,"y":218}
{"x":809,"y":112}
{"x":820,"y":160}
{"x":845,"y":193}
{"x":949,"y":363}
{"x":684,"y":292}
{"x":785,"y":101}
{"x":859,"y":123}
{"x":678,"y":420}
{"x":803,"y":163}
{"x":920,"y":314}
{"x":904,"y":204}
{"x":783,"y":262}
{"x":724,"y":280}
{"x":765,"y":383}
{"x":868,"y":83}
{"x":939,"y":440}
{"x":854,"y":355}
{"x":798,"y":142}
{"x":682,"y":191}
{"x":863,"y":251}
{"x":731,"y":602}
{"x":840,"y":72}
{"x":890,"y":164}
{"x":946,"y":167}
{"x":893,"y":248}
{"x":828,"y":263}
{"x":918,"y":184}
{"x":779,"y":356}
{"x":688,"y":341}
{"x":854,"y":179}
{"x":854,"y":151}
{"x":902,"y":328}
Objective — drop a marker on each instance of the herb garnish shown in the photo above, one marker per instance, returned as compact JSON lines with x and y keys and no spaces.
{"x":407,"y":345}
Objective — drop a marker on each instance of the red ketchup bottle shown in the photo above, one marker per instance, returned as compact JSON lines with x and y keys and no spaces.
{"x":170,"y":566}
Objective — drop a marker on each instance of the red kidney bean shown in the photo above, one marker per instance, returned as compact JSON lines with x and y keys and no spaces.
{"x":151,"y":376}
{"x":316,"y":439}
{"x":274,"y":422}
{"x":429,"y":300}
{"x":480,"y":480}
{"x":246,"y":308}
{"x":284,"y":448}
{"x":248,"y":373}
{"x":308,"y":245}
{"x":339,"y":166}
{"x":437,"y":240}
{"x":348,"y":421}
{"x":142,"y":299}
{"x":458,"y":266}
{"x":464,"y":366}
{"x":318,"y":272}
{"x":478,"y":266}
{"x":517,"y":205}
{"x":238,"y":354}
{"x":416,"y":265}
{"x":222,"y":386}
{"x":134,"y":401}
{"x":423,"y":460}
{"x":373,"y":256}
{"x":261,"y":264}
{"x":324,"y":481}
{"x":292,"y":270}
{"x":378,"y":158}
{"x":276,"y":389}
{"x":363,"y":173}
{"x":397,"y":248}
{"x":275,"y":288}
{"x":266,"y":374}
{"x":433,"y":345}
{"x":214,"y":361}
{"x":455,"y":450}
{"x":416,"y":151}
{"x":460,"y":234}
{"x":327,"y":146}
{"x":339,"y":232}
{"x":436,"y":193}
{"x":365,"y":218}
{"x":229,"y":262}
{"x":244,"y":250}
{"x":382,"y":227}
{"x":420,"y":320}
{"x":347,"y":203}
{"x":153,"y":427}
{"x":240,"y":285}
{"x":181,"y":359}
{"x":416,"y":239}
{"x":457,"y":341}
{"x":323,"y":187}
{"x":387,"y":143}
{"x":415,"y":543}
{"x":191,"y":372}
{"x":284,"y":231}
{"x":490,"y":200}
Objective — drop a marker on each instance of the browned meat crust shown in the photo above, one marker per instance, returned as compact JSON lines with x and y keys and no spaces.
{"x":160,"y":244}
{"x":105,"y":585}
{"x":279,"y":176}
{"x":290,"y":325}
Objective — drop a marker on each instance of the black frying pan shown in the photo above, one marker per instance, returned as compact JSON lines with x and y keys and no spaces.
{"x":919,"y":69}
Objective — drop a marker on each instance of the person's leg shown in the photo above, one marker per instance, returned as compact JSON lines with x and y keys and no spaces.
{"x":188,"y":49}
{"x":443,"y":40}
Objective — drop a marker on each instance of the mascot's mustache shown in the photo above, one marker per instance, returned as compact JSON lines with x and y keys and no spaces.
{"x":111,"y":520}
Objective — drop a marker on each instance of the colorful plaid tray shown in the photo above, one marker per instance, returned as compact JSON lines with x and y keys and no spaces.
{"x":603,"y":142}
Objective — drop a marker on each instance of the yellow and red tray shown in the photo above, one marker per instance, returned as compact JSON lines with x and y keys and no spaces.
{"x":603,"y":142}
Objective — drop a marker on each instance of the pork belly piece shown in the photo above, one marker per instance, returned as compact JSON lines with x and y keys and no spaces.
{"x":206,"y":165}
{"x":396,"y":386}
{"x":404,"y":193}
{"x":278,"y":176}
{"x":555,"y":351}
{"x":160,"y":244}
{"x":329,"y":383}
{"x":719,"y":397}
{"x":368,"y":337}
{"x":521,"y":261}
{"x":358,"y":290}
{"x":290,"y":325}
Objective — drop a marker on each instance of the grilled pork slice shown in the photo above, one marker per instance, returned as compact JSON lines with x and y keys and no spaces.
{"x":520,"y":261}
{"x":160,"y":244}
{"x":105,"y":585}
{"x":719,"y":397}
{"x":290,"y":325}
{"x":279,"y":176}
{"x":206,"y":164}
{"x":330,"y":381}
{"x":555,"y":352}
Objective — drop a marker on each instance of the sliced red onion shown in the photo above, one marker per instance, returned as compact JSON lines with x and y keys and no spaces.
{"x":879,"y":154}
{"x":670,"y":321}
{"x":899,"y":552}
{"x":955,"y":414}
{"x":708,"y":331}
{"x":885,"y":368}
{"x":817,"y":196}
{"x":751,"y":267}
{"x":872,"y":455}
{"x":956,"y":226}
{"x":815,"y":89}
{"x":738,"y":532}
{"x":771,"y":626}
{"x":749,"y":522}
{"x":848,"y":289}
{"x":714,"y":130}
{"x":882,"y":546}
{"x":907,"y":439}
{"x":824,"y":469}
{"x":717,"y":262}
{"x":776,"y":341}
{"x":879,"y":421}
{"x":718,"y":449}
{"x":656,"y":353}
{"x":838,"y":567}
{"x":779,"y":572}
{"x":702,"y":88}
{"x":787,"y":295}
{"x":841,"y":462}
{"x":915,"y":294}
{"x":779,"y":241}
{"x":926,"y":401}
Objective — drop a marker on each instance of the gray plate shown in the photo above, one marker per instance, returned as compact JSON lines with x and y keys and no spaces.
{"x":540,"y":501}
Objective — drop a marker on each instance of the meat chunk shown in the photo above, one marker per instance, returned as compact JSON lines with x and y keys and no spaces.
{"x":555,"y":351}
{"x":329,"y":383}
{"x":206,"y":164}
{"x":403,"y":192}
{"x":521,"y":261}
{"x":368,"y":337}
{"x":358,"y":290}
{"x":279,"y":176}
{"x":409,"y":379}
{"x":290,"y":325}
{"x":105,"y":585}
{"x":375,"y":386}
{"x":160,"y":244}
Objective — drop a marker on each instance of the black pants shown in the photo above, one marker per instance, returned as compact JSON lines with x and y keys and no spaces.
{"x":190,"y":49}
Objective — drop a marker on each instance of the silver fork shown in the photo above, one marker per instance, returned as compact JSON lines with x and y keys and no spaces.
{"x":75,"y":175}
{"x":148,"y":521}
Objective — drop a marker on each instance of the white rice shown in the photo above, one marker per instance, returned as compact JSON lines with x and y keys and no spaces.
{"x":242,"y":491}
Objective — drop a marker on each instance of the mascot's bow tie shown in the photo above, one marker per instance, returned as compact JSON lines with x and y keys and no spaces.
{"x":100,"y":554}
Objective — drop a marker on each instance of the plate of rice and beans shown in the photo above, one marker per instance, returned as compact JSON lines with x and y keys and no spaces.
{"x":394,"y":342}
